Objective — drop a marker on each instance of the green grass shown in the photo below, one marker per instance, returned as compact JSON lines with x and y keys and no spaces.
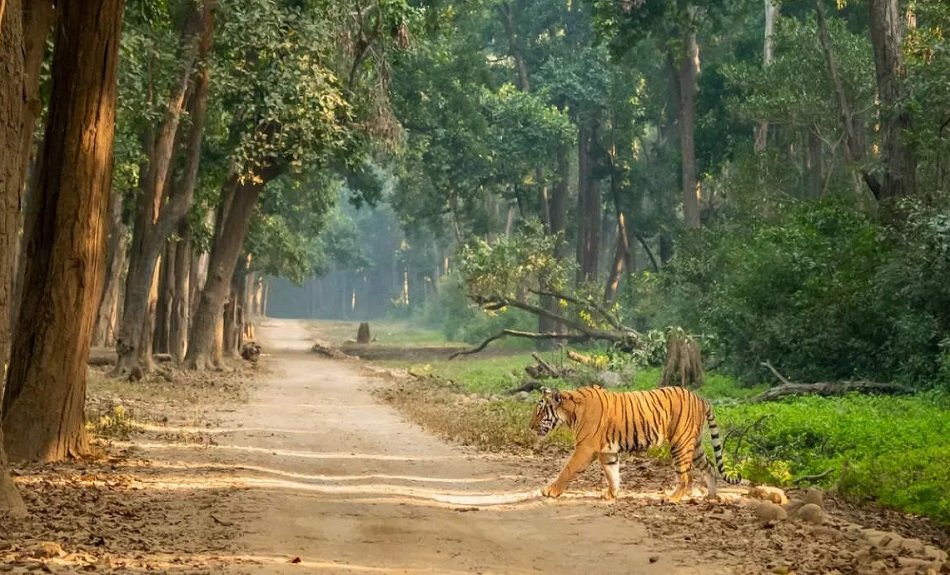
{"x":893,"y":450}
{"x":385,"y":332}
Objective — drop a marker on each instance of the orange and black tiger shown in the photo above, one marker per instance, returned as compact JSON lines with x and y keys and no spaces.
{"x":606,"y":423}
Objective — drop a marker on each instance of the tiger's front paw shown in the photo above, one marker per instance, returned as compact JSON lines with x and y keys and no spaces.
{"x":552,"y":490}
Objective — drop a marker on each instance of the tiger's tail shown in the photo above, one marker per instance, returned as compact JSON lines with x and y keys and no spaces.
{"x":717,"y":448}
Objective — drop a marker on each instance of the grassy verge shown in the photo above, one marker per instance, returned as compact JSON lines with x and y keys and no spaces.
{"x":892,"y":450}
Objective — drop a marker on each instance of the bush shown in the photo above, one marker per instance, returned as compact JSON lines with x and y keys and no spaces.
{"x":892,"y":450}
{"x":818,"y":289}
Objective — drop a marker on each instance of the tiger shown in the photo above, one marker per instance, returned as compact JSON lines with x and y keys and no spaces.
{"x":605,"y":423}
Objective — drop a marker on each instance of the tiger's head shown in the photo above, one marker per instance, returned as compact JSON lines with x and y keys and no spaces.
{"x":548,"y":413}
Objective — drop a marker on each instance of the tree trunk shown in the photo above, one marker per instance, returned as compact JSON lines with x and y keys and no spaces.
{"x":686,"y":76}
{"x":224,"y":255}
{"x":621,"y":255}
{"x":37,"y":19}
{"x":157,"y":218}
{"x":180,"y":306}
{"x":814,"y":172}
{"x":65,"y":252}
{"x":163,"y":306}
{"x":900,"y":165}
{"x":13,"y":110}
{"x":118,"y":249}
{"x":855,"y":147}
{"x":12,"y":173}
{"x":588,"y":206}
{"x":557,"y":218}
{"x":771,"y":12}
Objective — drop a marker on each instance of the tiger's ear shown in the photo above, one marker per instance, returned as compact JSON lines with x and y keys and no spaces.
{"x":554,"y":394}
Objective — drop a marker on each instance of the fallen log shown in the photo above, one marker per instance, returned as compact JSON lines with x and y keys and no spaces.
{"x":827,"y":388}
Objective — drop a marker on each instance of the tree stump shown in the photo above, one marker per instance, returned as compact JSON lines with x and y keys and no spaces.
{"x":362,"y":334}
{"x":684,"y":364}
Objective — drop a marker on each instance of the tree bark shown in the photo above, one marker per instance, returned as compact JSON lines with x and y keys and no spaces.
{"x":241,"y":196}
{"x":12,"y":173}
{"x":588,"y":206}
{"x":163,"y":307}
{"x":771,"y":13}
{"x":157,"y":218}
{"x":13,"y":110}
{"x":814,"y":173}
{"x":117,"y":255}
{"x":688,"y":70}
{"x":855,"y":146}
{"x":621,"y":255}
{"x":65,"y":252}
{"x":38,"y":17}
{"x":900,"y":164}
{"x":180,"y":306}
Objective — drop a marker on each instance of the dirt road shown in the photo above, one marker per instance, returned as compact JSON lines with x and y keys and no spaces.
{"x":341,"y":482}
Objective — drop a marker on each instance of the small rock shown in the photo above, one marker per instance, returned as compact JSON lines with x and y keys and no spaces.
{"x":815,"y":496}
{"x":782,"y":570}
{"x":654,"y":558}
{"x":829,"y":532}
{"x":768,"y":511}
{"x":882,"y":538}
{"x":523,"y":396}
{"x":811,"y":513}
{"x":46,"y":550}
{"x":934,"y":553}
{"x":769,"y":493}
{"x":609,"y":379}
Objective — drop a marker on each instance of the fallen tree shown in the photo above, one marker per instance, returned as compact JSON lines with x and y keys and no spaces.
{"x":828,"y":388}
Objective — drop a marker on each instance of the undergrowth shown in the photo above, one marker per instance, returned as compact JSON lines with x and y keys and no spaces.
{"x":892,"y":450}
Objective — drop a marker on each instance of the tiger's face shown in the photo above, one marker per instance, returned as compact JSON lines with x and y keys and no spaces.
{"x":546,"y":416}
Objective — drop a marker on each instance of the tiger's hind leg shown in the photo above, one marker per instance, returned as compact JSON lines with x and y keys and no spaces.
{"x":701,"y":463}
{"x":610,"y":462}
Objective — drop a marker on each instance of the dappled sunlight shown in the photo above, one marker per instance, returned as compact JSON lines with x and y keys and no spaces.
{"x":292,"y":453}
{"x":327,"y":478}
{"x":219,"y":430}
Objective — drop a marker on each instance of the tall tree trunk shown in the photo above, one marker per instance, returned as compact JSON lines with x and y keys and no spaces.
{"x":38,"y":17}
{"x":588,"y":205}
{"x":163,"y":306}
{"x":688,"y":70}
{"x":900,"y":164}
{"x":557,"y":220}
{"x":180,"y":306}
{"x":157,"y":218}
{"x":814,"y":173}
{"x":771,"y":13}
{"x":12,"y":173}
{"x":855,"y":147}
{"x":117,"y":255}
{"x":13,"y":110}
{"x":224,"y":255}
{"x":65,"y":252}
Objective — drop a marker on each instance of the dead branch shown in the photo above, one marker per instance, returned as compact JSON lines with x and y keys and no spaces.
{"x":812,"y":478}
{"x":608,"y":317}
{"x":529,"y":386}
{"x":547,"y":367}
{"x":525,"y":334}
{"x":741,"y":432}
{"x":825,"y":388}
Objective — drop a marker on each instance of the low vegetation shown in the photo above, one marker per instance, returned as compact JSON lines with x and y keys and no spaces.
{"x":889,"y":450}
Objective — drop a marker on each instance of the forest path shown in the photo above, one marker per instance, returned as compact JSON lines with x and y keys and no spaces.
{"x":343,"y":483}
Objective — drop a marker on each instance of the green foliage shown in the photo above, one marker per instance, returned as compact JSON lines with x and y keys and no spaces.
{"x":889,"y":449}
{"x":462,"y":320}
{"x":511,"y":265}
{"x":817,"y":289}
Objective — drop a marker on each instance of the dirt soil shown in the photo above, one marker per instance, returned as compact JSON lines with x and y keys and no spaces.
{"x":314,"y":474}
